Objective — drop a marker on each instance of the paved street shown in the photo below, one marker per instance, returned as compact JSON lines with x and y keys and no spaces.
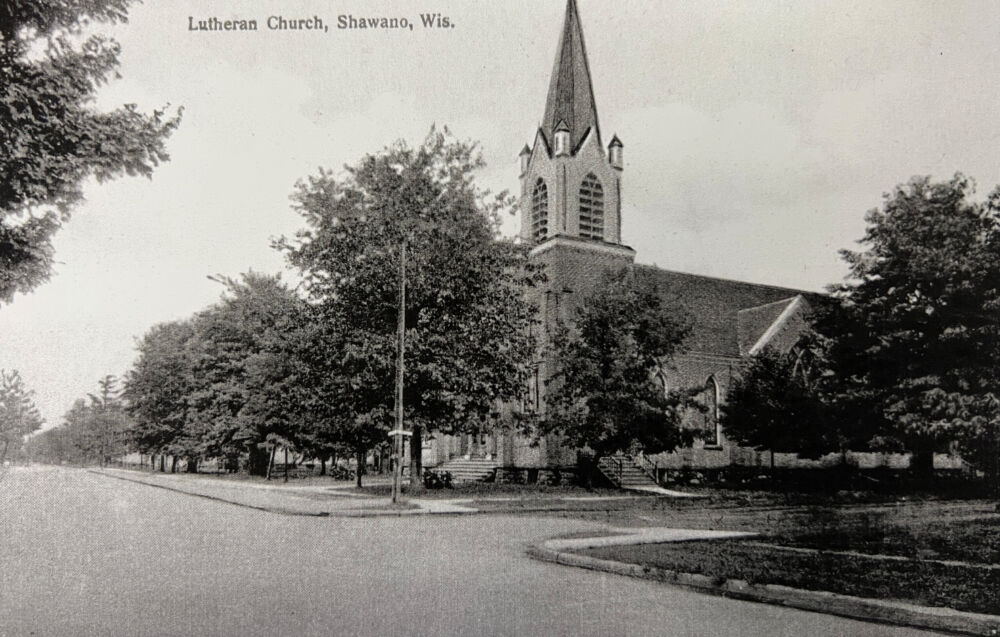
{"x":85,"y":554}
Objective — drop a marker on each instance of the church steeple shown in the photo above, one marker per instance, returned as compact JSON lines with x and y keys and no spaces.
{"x":571,"y":96}
{"x":571,"y":184}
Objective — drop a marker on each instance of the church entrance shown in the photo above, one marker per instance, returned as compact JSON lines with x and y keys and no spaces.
{"x":478,"y":446}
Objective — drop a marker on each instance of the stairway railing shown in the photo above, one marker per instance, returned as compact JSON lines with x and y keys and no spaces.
{"x":616,"y":467}
{"x":651,"y":467}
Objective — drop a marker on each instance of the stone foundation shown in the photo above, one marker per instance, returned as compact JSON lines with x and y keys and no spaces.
{"x":552,"y":476}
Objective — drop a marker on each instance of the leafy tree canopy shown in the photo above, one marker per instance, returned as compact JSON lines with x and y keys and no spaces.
{"x":467,"y":337}
{"x":776,"y":403}
{"x":159,"y":386}
{"x":605,"y":394}
{"x":916,"y":337}
{"x":52,"y":137}
{"x":255,"y":388}
{"x":229,"y":380}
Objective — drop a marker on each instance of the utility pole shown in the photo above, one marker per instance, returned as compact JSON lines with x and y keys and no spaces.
{"x":397,"y":476}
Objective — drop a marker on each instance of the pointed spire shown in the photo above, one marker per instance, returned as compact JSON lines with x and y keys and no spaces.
{"x":571,"y":96}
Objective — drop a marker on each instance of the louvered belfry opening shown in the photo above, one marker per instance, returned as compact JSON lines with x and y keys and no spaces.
{"x":591,"y":208}
{"x":540,"y":211}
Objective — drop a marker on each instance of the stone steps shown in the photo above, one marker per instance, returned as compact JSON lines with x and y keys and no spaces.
{"x":630,"y":475}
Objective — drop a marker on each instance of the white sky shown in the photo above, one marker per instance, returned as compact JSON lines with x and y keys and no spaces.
{"x":756,"y":136}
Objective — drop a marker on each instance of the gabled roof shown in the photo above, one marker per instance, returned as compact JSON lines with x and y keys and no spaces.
{"x":776,"y":325}
{"x":571,"y":95}
{"x":727,"y":314}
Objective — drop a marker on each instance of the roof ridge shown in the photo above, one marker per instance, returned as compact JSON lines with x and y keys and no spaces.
{"x":725,"y":280}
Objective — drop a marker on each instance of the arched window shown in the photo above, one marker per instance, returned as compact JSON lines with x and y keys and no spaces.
{"x":539,"y":211}
{"x":533,"y":401}
{"x":661,"y":382}
{"x":710,"y":398}
{"x":804,"y":366}
{"x":591,"y":208}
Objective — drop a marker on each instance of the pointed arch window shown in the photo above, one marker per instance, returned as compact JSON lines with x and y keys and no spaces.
{"x":661,"y":381}
{"x":591,"y":208}
{"x":710,"y":399}
{"x":539,"y":211}
{"x":533,"y":401}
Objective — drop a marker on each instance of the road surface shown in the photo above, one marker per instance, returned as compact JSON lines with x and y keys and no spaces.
{"x":84,"y":554}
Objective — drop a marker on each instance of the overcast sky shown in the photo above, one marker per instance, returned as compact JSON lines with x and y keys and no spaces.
{"x":756,"y":136}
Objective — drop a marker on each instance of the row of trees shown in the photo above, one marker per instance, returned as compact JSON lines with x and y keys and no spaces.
{"x":903,"y":355}
{"x":94,"y":431}
{"x":906,"y":355}
{"x":313,"y":369}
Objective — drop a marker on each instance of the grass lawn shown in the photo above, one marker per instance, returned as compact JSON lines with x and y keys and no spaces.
{"x":924,"y":533}
{"x":975,"y":541}
{"x":921,"y":582}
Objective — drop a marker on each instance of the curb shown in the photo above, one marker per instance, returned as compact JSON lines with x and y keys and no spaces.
{"x":213,"y":498}
{"x":346,"y":513}
{"x":872,"y":610}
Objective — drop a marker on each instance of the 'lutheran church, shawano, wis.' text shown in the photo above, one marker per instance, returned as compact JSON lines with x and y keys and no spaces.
{"x":316,"y":23}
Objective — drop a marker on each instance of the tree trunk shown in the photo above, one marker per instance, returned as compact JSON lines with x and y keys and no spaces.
{"x":257,"y":461}
{"x":322,"y":466}
{"x":192,"y":464}
{"x":360,"y":458}
{"x":991,"y":472}
{"x":922,"y":464}
{"x":270,"y":463}
{"x":163,"y":463}
{"x":772,"y":463}
{"x":3,"y":456}
{"x":286,"y":464}
{"x":416,"y":456}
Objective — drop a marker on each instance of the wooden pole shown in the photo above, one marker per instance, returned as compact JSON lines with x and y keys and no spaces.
{"x":397,"y":476}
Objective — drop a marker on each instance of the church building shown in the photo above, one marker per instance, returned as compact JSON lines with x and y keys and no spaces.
{"x":571,"y":206}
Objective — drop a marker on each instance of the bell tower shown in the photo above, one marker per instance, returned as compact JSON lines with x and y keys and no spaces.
{"x":570,"y":215}
{"x":571,"y":184}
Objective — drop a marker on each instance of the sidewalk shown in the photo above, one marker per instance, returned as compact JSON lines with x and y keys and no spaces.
{"x":313,"y":500}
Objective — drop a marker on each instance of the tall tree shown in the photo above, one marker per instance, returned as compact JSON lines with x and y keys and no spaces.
{"x":256,"y":389}
{"x":18,"y":414}
{"x":230,"y":381}
{"x":605,"y":395}
{"x":777,"y":403}
{"x":916,"y":337}
{"x":108,"y":423}
{"x":466,"y":318}
{"x":52,"y":138}
{"x":159,"y":386}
